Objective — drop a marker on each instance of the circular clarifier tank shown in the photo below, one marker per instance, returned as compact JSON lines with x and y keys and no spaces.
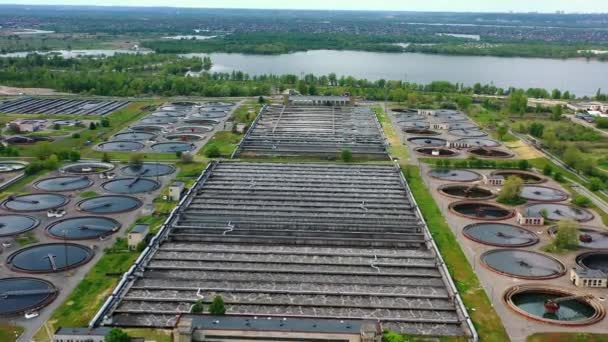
{"x":462,"y":132}
{"x":203,"y":122}
{"x":462,"y":125}
{"x":64,"y":183}
{"x":557,"y":212}
{"x":134,"y":136}
{"x":87,"y":168}
{"x":148,"y":170}
{"x":466,"y":191}
{"x":479,"y":142}
{"x":147,"y":128}
{"x":49,"y":258}
{"x":409,"y":118}
{"x":154,"y":120}
{"x":169,"y":114}
{"x":121,"y":146}
{"x":111,"y":204}
{"x":527,"y":177}
{"x":35,"y":202}
{"x":83,"y":228}
{"x":13,"y":224}
{"x":414,"y":124}
{"x":420,"y":131}
{"x":405,"y":110}
{"x":500,"y":234}
{"x":542,"y":194}
{"x":553,"y":305}
{"x":131,"y":185}
{"x":173,"y":147}
{"x":427,"y":141}
{"x":185,"y":137}
{"x":21,"y":295}
{"x":481,"y":210}
{"x":12,"y":166}
{"x":436,"y":152}
{"x":455,"y":175}
{"x":194,"y":129}
{"x":183,"y":104}
{"x":452,"y":118}
{"x":489,"y":152}
{"x":594,"y":260}
{"x":522,"y":264}
{"x":209,"y":114}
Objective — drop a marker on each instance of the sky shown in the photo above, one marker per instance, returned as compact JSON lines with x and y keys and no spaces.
{"x":394,"y":5}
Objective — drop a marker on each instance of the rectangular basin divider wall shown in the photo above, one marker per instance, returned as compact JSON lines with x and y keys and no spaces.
{"x":253,"y":124}
{"x":445,"y":274}
{"x":129,"y":277}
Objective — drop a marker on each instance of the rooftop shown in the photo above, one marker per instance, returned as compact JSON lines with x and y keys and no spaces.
{"x":589,"y":273}
{"x":140,"y":228}
{"x":99,"y":331}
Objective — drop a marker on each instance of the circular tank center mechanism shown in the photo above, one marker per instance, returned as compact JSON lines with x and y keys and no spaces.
{"x":35,"y":202}
{"x":557,"y":212}
{"x":500,"y":235}
{"x":427,"y":141}
{"x":65,"y":183}
{"x":479,"y":142}
{"x":147,"y":128}
{"x":173,"y":147}
{"x":87,"y":168}
{"x":83,"y":228}
{"x":463,"y":132}
{"x":527,"y":177}
{"x":158,"y":120}
{"x":13,"y":224}
{"x":542,"y":194}
{"x":9,"y":166}
{"x":148,"y":170}
{"x":436,"y":151}
{"x":594,"y":260}
{"x":466,"y":191}
{"x":455,"y":175}
{"x":131,"y":185}
{"x":489,"y":152}
{"x":134,"y":136}
{"x":21,"y":295}
{"x":194,"y":129}
{"x":121,"y":146}
{"x":49,"y":258}
{"x":522,"y":264}
{"x":481,"y":210}
{"x":111,"y":204}
{"x":553,"y":305}
{"x":184,"y":137}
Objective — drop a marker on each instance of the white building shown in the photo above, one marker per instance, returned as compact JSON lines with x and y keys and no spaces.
{"x":584,"y":277}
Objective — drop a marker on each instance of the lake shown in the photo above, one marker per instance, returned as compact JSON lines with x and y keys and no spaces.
{"x":579,"y":76}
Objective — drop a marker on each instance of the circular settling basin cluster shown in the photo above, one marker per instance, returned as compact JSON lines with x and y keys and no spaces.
{"x":35,"y":202}
{"x":427,"y":141}
{"x":134,"y":136}
{"x":527,"y":177}
{"x":121,"y":146}
{"x":21,"y":295}
{"x":489,"y":152}
{"x":87,"y":168}
{"x":64,"y":183}
{"x":466,"y":132}
{"x":11,"y":166}
{"x":83,"y":228}
{"x":500,"y":235}
{"x":553,"y":305}
{"x":522,"y":264}
{"x":14,"y":224}
{"x":110,"y":204}
{"x":481,"y":210}
{"x":49,"y":258}
{"x":558,"y":211}
{"x":542,"y":194}
{"x":466,"y":191}
{"x":455,"y":175}
{"x":148,"y":170}
{"x":596,"y":260}
{"x":436,"y":152}
{"x":134,"y":185}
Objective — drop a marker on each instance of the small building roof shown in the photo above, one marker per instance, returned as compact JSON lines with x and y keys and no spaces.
{"x":496,"y":177}
{"x":99,"y":331}
{"x":178,"y":183}
{"x":589,"y":273}
{"x":140,"y":228}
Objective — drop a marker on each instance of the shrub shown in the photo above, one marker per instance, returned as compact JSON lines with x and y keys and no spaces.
{"x":76,"y":136}
{"x":198,"y":307}
{"x":92,"y":126}
{"x":212,"y":151}
{"x":523,"y":164}
{"x":217,"y":306}
{"x":581,"y":201}
{"x":558,"y":177}
{"x":567,"y":235}
{"x":117,"y":335}
{"x":509,"y":194}
{"x":74,"y":156}
{"x":595,"y":184}
{"x":346,"y":155}
{"x":547,"y":170}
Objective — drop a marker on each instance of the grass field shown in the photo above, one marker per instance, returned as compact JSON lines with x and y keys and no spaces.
{"x":225,"y":141}
{"x":9,"y":333}
{"x":567,"y":337}
{"x":396,"y":148}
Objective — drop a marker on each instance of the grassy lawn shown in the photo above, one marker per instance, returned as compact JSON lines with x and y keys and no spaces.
{"x":396,"y":147}
{"x":88,"y":194}
{"x":158,"y":335}
{"x":26,"y":239}
{"x":225,"y":141}
{"x":567,"y":337}
{"x":9,"y":333}
{"x":82,"y":304}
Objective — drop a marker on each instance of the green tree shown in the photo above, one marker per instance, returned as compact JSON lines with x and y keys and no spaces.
{"x":557,"y":112}
{"x":212,"y":151}
{"x":518,"y":102}
{"x":509,"y":193}
{"x":346,"y":155}
{"x":581,"y":201}
{"x":547,"y":170}
{"x":595,"y":184}
{"x":74,"y":156}
{"x":463,"y":102}
{"x":117,"y":335}
{"x":601,"y":122}
{"x":92,"y":126}
{"x":567,"y":235}
{"x":523,"y":164}
{"x":105,"y":158}
{"x":391,"y":336}
{"x":198,"y":307}
{"x":105,"y":122}
{"x":571,"y":155}
{"x":502,"y":130}
{"x":217,"y":306}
